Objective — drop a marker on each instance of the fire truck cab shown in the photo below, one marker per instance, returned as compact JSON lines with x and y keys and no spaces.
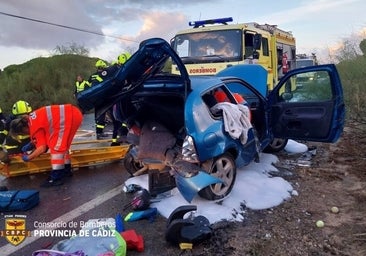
{"x":213,"y":45}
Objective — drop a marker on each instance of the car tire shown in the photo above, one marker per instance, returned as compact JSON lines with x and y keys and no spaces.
{"x":131,"y":165}
{"x":224,"y":168}
{"x":276,"y":145}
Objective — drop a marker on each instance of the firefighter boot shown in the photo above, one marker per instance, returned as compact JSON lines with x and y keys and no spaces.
{"x":100,"y":134}
{"x":68,"y":171}
{"x":55,"y":179}
{"x":115,"y":142}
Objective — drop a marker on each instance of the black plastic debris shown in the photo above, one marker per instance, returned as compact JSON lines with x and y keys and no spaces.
{"x":187,"y":231}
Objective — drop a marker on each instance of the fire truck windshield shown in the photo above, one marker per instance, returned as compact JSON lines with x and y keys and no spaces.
{"x":208,"y":46}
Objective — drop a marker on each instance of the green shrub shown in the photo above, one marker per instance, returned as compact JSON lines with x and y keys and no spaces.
{"x":44,"y":81}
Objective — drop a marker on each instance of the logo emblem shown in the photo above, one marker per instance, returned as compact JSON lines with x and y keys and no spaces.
{"x":15,"y":232}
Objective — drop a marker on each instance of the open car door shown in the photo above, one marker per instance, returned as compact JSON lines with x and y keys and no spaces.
{"x":307,"y":104}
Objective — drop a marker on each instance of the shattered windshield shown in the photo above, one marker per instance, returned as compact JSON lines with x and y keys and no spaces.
{"x":225,"y":45}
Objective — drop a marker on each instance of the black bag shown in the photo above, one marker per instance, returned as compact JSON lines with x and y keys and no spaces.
{"x":18,"y":200}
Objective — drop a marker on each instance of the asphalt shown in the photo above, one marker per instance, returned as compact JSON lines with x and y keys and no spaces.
{"x":93,"y":192}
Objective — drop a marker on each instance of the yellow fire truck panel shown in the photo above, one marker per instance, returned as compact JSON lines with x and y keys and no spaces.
{"x":212,"y":45}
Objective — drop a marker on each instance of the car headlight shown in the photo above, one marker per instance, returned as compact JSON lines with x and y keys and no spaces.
{"x":189,"y":153}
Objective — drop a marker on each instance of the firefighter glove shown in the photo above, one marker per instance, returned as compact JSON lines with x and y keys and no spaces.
{"x":28,"y":147}
{"x":25,"y":158}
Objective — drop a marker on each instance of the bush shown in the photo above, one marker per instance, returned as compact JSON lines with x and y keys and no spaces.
{"x":44,"y":81}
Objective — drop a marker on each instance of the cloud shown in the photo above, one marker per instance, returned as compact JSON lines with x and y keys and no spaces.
{"x":23,"y":32}
{"x":129,"y":21}
{"x":125,"y":23}
{"x":161,"y":24}
{"x":150,"y":24}
{"x":307,"y":10}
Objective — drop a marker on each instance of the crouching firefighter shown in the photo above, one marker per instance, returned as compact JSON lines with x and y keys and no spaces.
{"x":50,"y":127}
{"x":14,"y":145}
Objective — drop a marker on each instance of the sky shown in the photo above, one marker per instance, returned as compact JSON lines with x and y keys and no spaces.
{"x":257,"y":187}
{"x":34,"y":28}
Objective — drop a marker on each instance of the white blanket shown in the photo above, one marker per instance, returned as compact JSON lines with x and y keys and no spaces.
{"x":236,"y":119}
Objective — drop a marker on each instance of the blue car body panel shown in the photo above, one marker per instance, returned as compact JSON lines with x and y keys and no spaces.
{"x":321,"y":120}
{"x":279,"y":113}
{"x":253,"y":74}
{"x":189,"y":187}
{"x":208,"y":131}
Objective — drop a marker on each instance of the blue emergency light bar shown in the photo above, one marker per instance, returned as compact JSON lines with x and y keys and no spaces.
{"x":198,"y":23}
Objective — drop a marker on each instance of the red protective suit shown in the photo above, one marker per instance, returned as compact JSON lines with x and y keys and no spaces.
{"x":55,"y":126}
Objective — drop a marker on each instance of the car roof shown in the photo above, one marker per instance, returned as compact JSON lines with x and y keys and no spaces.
{"x":204,"y":83}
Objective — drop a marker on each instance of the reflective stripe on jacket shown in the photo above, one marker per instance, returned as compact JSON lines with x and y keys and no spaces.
{"x":96,"y":77}
{"x":56,"y":122}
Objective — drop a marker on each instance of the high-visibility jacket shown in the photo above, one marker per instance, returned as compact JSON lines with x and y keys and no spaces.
{"x":81,"y":86}
{"x":95,"y":78}
{"x":103,"y":74}
{"x":54,"y":126}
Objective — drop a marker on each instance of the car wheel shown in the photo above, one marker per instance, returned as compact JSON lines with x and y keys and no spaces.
{"x":131,"y":165}
{"x":276,"y":145}
{"x":224,"y":168}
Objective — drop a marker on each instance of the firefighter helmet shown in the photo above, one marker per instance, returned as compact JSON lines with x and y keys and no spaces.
{"x":21,"y":107}
{"x":122,"y":58}
{"x":100,"y":64}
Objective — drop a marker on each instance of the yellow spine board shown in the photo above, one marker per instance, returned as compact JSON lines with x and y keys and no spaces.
{"x":79,"y":158}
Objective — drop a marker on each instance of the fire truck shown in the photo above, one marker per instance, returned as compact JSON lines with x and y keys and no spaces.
{"x":303,"y":60}
{"x":213,"y":45}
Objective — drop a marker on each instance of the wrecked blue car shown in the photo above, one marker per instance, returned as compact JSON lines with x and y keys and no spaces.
{"x":202,"y":139}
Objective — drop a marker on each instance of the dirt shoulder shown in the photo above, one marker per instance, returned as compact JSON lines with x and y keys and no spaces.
{"x":336,"y":177}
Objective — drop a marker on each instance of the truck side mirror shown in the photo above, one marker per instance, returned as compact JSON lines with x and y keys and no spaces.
{"x":257,"y":41}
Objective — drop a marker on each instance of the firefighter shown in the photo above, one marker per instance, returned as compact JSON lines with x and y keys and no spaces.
{"x":122,"y":58}
{"x":119,"y":127}
{"x":10,"y":144}
{"x":80,"y":84}
{"x":104,"y":72}
{"x":51,"y":127}
{"x":94,"y":79}
{"x":3,"y":131}
{"x":97,"y":76}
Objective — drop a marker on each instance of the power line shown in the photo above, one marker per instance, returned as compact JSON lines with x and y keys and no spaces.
{"x":64,"y":26}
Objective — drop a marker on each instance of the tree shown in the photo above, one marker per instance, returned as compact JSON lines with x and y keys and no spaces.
{"x":363,"y":47}
{"x":73,"y":48}
{"x":348,"y":51}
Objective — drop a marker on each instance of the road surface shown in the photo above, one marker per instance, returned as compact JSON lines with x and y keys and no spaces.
{"x":92,"y":193}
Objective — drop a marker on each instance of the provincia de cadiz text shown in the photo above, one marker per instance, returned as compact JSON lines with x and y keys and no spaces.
{"x":73,"y":228}
{"x":16,"y":228}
